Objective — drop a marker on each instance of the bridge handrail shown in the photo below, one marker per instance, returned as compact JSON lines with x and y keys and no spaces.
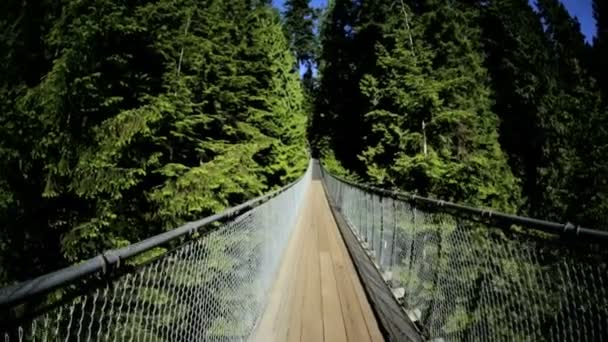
{"x":463,"y":273}
{"x":568,"y":229}
{"x":15,"y":294}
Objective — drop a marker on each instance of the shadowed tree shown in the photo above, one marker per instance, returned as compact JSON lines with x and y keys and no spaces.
{"x":142,"y":115}
{"x":600,"y":46}
{"x":299,"y":23}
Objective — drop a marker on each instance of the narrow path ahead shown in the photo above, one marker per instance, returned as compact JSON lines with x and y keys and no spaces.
{"x":317,"y":295}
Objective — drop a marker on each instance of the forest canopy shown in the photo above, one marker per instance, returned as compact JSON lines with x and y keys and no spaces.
{"x":123,"y":119}
{"x":498,"y":103}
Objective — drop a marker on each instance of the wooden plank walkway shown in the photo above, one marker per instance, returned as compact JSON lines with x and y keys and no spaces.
{"x":317,"y":295}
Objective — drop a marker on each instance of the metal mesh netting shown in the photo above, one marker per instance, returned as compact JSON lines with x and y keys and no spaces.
{"x":462,"y":280}
{"x":213,"y":288}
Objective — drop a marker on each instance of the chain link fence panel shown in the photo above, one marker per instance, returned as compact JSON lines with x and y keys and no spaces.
{"x":213,"y":288}
{"x":460,"y":279}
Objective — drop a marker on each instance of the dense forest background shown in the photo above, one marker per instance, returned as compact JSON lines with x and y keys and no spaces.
{"x":494,"y":103}
{"x":121,"y":119}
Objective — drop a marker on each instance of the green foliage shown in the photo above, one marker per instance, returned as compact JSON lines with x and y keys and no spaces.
{"x":568,"y":166}
{"x":600,"y":46}
{"x":331,"y":164}
{"x":141,"y":115}
{"x":518,"y":61}
{"x":487,"y":103}
{"x":481,"y":102}
{"x":337,"y":119}
{"x":299,"y":27}
{"x":418,"y":100}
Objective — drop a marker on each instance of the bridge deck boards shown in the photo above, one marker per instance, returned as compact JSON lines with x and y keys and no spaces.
{"x":317,"y":295}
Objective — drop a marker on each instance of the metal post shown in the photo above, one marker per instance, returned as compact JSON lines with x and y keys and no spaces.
{"x":381,"y":247}
{"x":393,"y":253}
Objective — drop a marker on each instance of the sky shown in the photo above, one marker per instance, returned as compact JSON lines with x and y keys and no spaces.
{"x":579,"y":8}
{"x":315,"y":3}
{"x":583,"y":10}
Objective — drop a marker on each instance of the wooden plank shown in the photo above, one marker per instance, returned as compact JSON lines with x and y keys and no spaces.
{"x":390,"y":315}
{"x":354,"y":322}
{"x":312,"y":315}
{"x":359,"y":319}
{"x":266,"y":328}
{"x":318,"y":295}
{"x":284,"y":316}
{"x":366,"y":310}
{"x":272,"y":320}
{"x":333,"y":322}
{"x":294,"y":330}
{"x":322,"y":224}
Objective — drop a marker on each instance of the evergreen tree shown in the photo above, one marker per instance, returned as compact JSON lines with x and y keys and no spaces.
{"x":594,"y":192}
{"x":600,"y":46}
{"x":432,"y":127}
{"x":300,"y":22}
{"x":249,"y":117}
{"x":299,"y":26}
{"x":575,"y":105}
{"x":148,"y":114}
{"x":348,"y":35}
{"x":23,"y":62}
{"x":336,"y":83}
{"x":566,"y":39}
{"x":433,"y":132}
{"x":545,"y":99}
{"x":518,"y":59}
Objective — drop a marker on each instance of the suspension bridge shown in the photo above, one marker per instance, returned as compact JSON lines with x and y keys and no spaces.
{"x":325,"y":259}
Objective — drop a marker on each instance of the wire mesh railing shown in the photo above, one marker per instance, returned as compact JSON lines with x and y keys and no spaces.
{"x":464,"y":274}
{"x":211,"y":288}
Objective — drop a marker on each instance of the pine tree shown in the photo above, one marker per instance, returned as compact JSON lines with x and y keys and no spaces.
{"x":147,"y":114}
{"x":523,"y":80}
{"x":432,"y":128}
{"x":96,"y":76}
{"x":575,"y":105}
{"x":433,"y":132}
{"x":600,"y":46}
{"x":594,"y":190}
{"x":336,"y":82}
{"x":299,"y":26}
{"x":349,"y":34}
{"x":249,"y":128}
